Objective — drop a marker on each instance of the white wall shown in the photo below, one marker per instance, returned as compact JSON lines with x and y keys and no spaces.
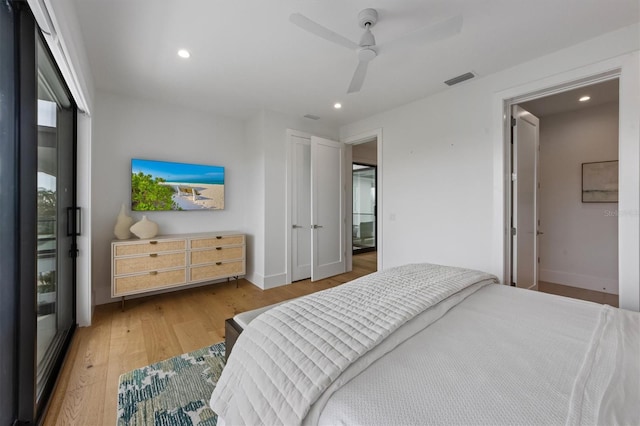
{"x":124,"y":128}
{"x":437,"y":179}
{"x":443,"y":161}
{"x":255,"y":205}
{"x":579,"y":246}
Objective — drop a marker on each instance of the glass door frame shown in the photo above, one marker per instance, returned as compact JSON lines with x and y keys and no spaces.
{"x":9,"y":265}
{"x":375,"y":208}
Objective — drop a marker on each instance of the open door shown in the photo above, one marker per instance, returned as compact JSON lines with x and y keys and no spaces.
{"x":327,"y":208}
{"x":524,"y":230}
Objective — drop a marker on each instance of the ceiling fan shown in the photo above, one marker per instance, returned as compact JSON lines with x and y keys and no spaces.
{"x":367,"y":49}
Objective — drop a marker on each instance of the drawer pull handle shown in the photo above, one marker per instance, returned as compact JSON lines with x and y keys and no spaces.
{"x":218,"y":237}
{"x":218,"y":263}
{"x":153,"y":255}
{"x":153,"y":273}
{"x":153,"y":242}
{"x":218,"y":248}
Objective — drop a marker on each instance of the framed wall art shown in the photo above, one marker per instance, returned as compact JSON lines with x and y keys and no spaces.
{"x":600,"y":182}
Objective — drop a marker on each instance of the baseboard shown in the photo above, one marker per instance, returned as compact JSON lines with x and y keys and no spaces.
{"x":589,"y":282}
{"x":267,"y":282}
{"x":273,"y":281}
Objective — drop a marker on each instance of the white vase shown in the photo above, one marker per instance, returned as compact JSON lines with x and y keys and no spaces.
{"x":145,"y":228}
{"x":124,"y":222}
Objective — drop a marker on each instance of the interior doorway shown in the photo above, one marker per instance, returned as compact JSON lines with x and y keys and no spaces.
{"x":564,"y":211}
{"x":364,"y":206}
{"x":365,"y":198}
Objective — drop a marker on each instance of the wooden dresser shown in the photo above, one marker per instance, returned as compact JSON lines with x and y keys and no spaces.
{"x":170,"y":261}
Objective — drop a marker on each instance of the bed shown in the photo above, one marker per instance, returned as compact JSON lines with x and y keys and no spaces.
{"x":430,"y":344}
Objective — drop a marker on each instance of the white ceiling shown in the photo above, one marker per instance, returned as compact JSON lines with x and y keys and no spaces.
{"x":246,"y":55}
{"x":600,"y":93}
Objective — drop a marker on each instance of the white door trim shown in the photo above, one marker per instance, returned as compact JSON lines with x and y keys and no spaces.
{"x":627,"y":68}
{"x":355,"y":140}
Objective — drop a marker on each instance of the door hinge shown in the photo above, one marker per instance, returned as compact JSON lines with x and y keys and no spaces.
{"x":73,"y":251}
{"x":513,"y":232}
{"x":514,"y":177}
{"x":513,"y":122}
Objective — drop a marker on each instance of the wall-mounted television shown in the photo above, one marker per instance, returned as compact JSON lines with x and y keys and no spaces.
{"x":166,"y":186}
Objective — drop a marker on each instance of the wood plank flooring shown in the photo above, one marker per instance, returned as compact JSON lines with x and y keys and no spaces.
{"x":578,"y":293}
{"x":155,"y":328}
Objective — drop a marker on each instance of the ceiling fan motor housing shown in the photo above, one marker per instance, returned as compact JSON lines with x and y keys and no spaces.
{"x":366,"y":54}
{"x":367,"y":16}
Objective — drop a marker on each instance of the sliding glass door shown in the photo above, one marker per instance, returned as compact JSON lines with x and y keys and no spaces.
{"x":364,"y":208}
{"x":55,"y":217}
{"x":38,"y":217}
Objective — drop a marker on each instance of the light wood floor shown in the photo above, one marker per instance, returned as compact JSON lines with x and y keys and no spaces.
{"x":578,"y":293}
{"x":155,"y":328}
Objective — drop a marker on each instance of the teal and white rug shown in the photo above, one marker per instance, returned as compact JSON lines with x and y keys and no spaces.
{"x":172,"y":392}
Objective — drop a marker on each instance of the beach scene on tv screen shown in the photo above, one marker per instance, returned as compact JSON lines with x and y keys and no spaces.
{"x":162,"y":185}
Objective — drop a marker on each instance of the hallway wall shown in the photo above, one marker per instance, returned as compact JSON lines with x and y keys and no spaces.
{"x":579,"y":246}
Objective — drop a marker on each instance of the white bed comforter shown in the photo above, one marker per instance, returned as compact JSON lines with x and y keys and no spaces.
{"x":502,"y":356}
{"x":289,"y":356}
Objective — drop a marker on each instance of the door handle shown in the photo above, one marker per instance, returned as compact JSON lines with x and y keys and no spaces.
{"x":539,"y":233}
{"x":74,"y":221}
{"x":297,"y":226}
{"x":316,"y":226}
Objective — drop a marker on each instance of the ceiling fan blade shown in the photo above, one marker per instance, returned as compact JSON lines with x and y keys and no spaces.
{"x":429,"y":34}
{"x":358,"y":77}
{"x":317,"y":29}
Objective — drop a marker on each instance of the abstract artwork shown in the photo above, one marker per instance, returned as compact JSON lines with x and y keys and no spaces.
{"x":600,"y":182}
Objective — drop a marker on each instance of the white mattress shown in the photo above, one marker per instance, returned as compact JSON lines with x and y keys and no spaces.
{"x":501,"y":356}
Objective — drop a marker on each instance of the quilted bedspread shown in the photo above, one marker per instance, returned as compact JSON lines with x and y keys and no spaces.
{"x":288,"y":356}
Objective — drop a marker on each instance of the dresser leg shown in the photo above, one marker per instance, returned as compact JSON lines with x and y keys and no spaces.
{"x":122,"y":303}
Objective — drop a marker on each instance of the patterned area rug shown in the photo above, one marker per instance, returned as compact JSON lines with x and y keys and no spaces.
{"x":172,"y":392}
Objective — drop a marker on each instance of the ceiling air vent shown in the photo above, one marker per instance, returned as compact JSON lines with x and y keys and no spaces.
{"x":312,"y":117}
{"x":459,"y":79}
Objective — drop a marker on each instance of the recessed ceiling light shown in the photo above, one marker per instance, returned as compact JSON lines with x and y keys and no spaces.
{"x":184,"y":53}
{"x":584,"y":98}
{"x":337,"y":105}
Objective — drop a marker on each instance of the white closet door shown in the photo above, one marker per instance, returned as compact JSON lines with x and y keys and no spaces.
{"x":301,"y":209}
{"x":327,"y":208}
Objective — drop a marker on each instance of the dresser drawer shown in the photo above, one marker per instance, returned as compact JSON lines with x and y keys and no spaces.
{"x":217,"y":270}
{"x":152,"y":246}
{"x":217,"y":254}
{"x":147,"y":282}
{"x":217,"y":241}
{"x":150,"y":262}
